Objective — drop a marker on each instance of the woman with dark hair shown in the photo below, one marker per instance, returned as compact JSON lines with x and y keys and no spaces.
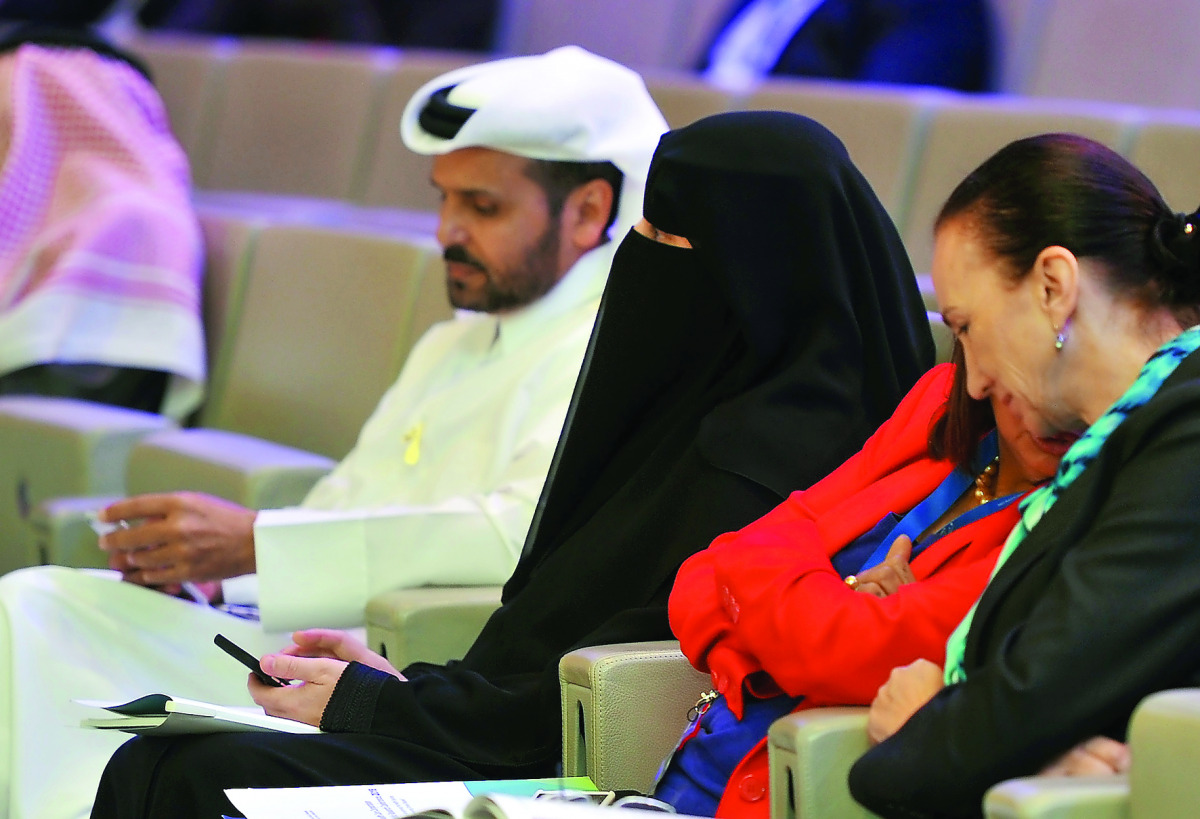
{"x":771,"y":610}
{"x":720,"y":375}
{"x":1074,"y":291}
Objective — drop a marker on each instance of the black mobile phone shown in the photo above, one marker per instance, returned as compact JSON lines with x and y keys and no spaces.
{"x":247,"y":659}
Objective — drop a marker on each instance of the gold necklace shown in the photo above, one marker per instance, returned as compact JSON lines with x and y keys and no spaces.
{"x":985,"y":483}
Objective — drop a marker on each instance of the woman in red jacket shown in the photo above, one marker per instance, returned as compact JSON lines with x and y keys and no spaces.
{"x":815,"y":603}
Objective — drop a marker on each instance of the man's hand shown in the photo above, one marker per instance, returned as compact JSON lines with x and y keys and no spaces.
{"x":891,"y":574}
{"x":907,"y":689}
{"x":337,"y":645}
{"x":1099,"y":756}
{"x":315,"y":662}
{"x":179,"y":536}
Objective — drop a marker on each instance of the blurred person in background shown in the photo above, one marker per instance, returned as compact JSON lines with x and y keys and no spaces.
{"x":914,"y":42}
{"x":101,"y":255}
{"x":454,"y":24}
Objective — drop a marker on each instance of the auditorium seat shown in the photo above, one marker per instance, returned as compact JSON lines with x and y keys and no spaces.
{"x":322,"y":324}
{"x":1017,"y":27}
{"x":1167,"y":148}
{"x":882,"y":126}
{"x":55,"y":448}
{"x":326,"y":320}
{"x":624,"y":706}
{"x":189,"y":73}
{"x":963,"y":134}
{"x":391,"y":176}
{"x":682,"y":99}
{"x":1141,"y":53}
{"x":643,"y":34}
{"x":228,"y":248}
{"x":293,"y":118}
{"x":1164,"y":743}
{"x":428,"y":624}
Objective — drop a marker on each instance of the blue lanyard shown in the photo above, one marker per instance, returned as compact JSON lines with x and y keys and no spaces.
{"x":925,"y":513}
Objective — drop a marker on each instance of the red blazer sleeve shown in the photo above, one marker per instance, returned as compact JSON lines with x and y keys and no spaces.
{"x":766,"y":598}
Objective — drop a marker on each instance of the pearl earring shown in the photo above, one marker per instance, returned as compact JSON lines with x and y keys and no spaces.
{"x":1060,"y":336}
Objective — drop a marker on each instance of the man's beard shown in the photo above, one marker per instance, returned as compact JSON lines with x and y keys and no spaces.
{"x":508,"y":289}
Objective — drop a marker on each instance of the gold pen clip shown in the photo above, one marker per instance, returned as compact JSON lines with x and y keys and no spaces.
{"x":412,"y":439}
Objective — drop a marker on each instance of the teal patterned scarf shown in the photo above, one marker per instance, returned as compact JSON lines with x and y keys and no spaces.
{"x":1082,"y":452}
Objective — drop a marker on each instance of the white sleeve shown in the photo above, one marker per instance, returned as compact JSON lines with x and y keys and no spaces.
{"x":320,"y":567}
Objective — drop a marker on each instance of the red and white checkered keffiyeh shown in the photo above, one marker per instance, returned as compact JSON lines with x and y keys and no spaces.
{"x":100,"y":250}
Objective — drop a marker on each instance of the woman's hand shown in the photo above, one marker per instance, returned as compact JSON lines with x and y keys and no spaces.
{"x":336,"y":645}
{"x":1099,"y":756}
{"x":313,"y":681}
{"x":907,"y":689}
{"x":314,"y":662}
{"x":891,"y":574}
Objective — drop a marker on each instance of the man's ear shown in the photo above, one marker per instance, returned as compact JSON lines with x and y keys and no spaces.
{"x":585,"y":214}
{"x":1056,"y":276}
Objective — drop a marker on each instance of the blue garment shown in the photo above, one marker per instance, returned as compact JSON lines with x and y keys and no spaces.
{"x":696,"y":774}
{"x":693,"y":778}
{"x":916,"y":42}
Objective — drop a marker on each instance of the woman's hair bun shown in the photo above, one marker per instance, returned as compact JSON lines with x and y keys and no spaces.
{"x":1175,"y":251}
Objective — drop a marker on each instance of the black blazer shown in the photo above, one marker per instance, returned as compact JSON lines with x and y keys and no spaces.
{"x":1099,"y":607}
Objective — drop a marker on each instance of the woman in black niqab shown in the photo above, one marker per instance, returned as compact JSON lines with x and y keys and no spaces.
{"x":719,"y":379}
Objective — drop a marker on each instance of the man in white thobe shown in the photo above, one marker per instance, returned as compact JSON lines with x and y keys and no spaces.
{"x":441,"y":486}
{"x":540,"y":161}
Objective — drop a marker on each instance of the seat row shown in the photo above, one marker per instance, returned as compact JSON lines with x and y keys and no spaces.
{"x":303,"y":120}
{"x":307,"y":325}
{"x":624,"y":707}
{"x":1112,"y":50}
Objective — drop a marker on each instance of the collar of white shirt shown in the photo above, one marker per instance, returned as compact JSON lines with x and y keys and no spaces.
{"x":582,"y":284}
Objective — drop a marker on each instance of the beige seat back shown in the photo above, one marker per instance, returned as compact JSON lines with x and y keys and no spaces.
{"x":967,"y":131}
{"x":1141,"y":52}
{"x":328,"y":317}
{"x":1167,"y":149}
{"x":881,"y":127}
{"x":293,"y":118}
{"x":228,"y":248}
{"x":638,"y":33}
{"x":393,"y":176}
{"x":943,"y":338}
{"x":189,"y":73}
{"x":1017,"y":27}
{"x":685,"y":98}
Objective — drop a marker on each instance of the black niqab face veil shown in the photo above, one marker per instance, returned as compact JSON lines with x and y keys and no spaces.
{"x":719,"y":378}
{"x":774,"y":346}
{"x":812,"y":267}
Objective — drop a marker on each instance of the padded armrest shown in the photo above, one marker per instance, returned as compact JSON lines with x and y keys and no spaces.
{"x":1164,"y":738}
{"x":63,"y":534}
{"x":624,"y":708}
{"x":1059,"y":797}
{"x":430,"y":624}
{"x":58,"y":447}
{"x":257,"y":474}
{"x":811,"y":753}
